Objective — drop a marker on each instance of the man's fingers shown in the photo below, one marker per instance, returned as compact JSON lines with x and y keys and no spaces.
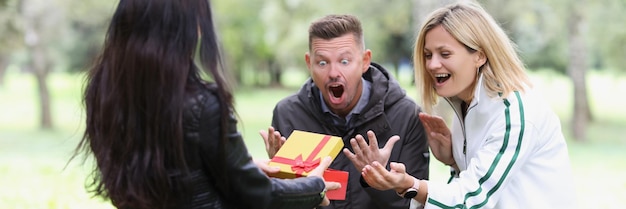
{"x":276,"y":135}
{"x":391,"y":142}
{"x":273,"y":140}
{"x":268,"y":145}
{"x":356,"y":148}
{"x":263,"y":134}
{"x":276,"y":140}
{"x":372,"y":140}
{"x":361,"y":141}
{"x":349,"y":154}
{"x":379,"y":167}
{"x":267,"y":135}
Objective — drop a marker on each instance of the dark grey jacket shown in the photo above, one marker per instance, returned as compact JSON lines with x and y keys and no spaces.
{"x":389,"y":112}
{"x":246,"y":186}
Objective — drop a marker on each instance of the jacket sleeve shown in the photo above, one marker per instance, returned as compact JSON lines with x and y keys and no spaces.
{"x":249,"y":187}
{"x":412,"y":151}
{"x":496,"y":162}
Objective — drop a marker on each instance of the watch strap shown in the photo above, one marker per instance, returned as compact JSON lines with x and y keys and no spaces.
{"x":412,"y":191}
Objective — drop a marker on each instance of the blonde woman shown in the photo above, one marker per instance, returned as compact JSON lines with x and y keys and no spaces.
{"x":505,"y":147}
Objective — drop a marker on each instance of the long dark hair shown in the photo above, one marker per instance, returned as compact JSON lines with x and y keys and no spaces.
{"x":134,"y":98}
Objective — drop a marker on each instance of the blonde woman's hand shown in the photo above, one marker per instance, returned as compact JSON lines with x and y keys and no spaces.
{"x":439,"y":138}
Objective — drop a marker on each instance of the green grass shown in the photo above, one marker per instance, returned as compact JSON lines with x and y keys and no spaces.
{"x":33,"y":172}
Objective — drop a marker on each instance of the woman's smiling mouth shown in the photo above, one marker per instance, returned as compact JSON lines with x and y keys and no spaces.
{"x":442,"y":77}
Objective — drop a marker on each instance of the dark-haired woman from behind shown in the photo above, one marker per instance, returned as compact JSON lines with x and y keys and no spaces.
{"x":161,"y":136}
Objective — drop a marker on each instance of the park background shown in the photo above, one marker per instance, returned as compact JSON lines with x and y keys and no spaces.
{"x":575,"y":52}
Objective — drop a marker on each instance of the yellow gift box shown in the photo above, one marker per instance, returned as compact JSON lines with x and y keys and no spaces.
{"x":303,"y":151}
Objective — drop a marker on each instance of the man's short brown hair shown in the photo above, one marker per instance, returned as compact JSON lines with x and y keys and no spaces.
{"x":333,"y":26}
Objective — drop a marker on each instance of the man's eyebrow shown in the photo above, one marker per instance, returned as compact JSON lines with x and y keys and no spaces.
{"x":342,"y":54}
{"x":319,"y":55}
{"x":346,"y":53}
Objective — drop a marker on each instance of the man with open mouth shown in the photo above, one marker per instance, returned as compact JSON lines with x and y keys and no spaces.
{"x":350,"y":96}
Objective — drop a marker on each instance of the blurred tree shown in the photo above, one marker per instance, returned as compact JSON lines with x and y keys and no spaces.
{"x":578,"y":56}
{"x":42,"y":23}
{"x":536,"y":28}
{"x":240,"y":33}
{"x":86,"y":24}
{"x":262,"y":39}
{"x":9,"y":34}
{"x":420,"y":10}
{"x":546,"y":42}
{"x":40,"y":36}
{"x":607,"y":34}
{"x":392,"y":25}
{"x":280,"y":17}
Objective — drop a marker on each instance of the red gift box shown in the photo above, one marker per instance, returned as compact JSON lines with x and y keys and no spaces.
{"x":337,"y":176}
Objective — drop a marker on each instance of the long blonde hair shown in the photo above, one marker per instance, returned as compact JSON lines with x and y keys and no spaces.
{"x":473,"y":27}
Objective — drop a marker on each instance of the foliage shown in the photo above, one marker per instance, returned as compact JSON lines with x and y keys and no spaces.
{"x":9,"y":33}
{"x":87,"y":21}
{"x":263,"y":36}
{"x":606,"y":27}
{"x":539,"y":28}
{"x":266,"y":36}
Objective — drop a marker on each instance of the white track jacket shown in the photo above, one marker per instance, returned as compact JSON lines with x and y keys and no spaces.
{"x":511,"y":153}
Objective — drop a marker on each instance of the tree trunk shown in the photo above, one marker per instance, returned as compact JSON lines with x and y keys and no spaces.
{"x":420,"y":10}
{"x":39,"y":66}
{"x":4,"y":63}
{"x":576,"y":70}
{"x":276,"y":73}
{"x":262,"y":71}
{"x":40,"y":70}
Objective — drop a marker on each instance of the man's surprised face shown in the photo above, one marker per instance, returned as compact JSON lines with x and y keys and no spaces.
{"x":336,"y":67}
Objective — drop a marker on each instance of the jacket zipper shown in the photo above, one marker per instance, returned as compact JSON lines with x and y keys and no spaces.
{"x":462,"y":119}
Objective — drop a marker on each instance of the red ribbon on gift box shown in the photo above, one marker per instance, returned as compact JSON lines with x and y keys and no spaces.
{"x":300,"y":166}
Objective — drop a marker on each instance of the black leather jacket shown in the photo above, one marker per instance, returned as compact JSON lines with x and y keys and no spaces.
{"x":245,"y":185}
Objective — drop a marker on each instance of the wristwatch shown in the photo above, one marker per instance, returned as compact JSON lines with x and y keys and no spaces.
{"x":411,"y":192}
{"x":323,"y":194}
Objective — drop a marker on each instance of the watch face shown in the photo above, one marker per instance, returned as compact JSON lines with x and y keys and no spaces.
{"x":411,"y":193}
